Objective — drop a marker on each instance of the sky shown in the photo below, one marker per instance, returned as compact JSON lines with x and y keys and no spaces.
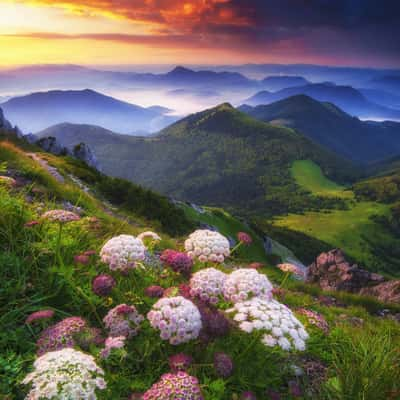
{"x":126,"y":32}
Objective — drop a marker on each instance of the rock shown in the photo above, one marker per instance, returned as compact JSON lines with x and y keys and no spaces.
{"x":332,"y":272}
{"x":83,"y":152}
{"x":387,"y":292}
{"x":51,"y":145}
{"x":4,"y":124}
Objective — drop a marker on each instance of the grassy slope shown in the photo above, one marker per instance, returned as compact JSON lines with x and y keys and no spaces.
{"x":353,"y":230}
{"x":32,"y":279}
{"x":310,"y":176}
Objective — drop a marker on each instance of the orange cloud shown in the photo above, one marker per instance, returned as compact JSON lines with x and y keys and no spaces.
{"x":176,"y":15}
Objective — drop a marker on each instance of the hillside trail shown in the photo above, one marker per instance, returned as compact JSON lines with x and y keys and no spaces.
{"x":51,"y":170}
{"x":108,"y":208}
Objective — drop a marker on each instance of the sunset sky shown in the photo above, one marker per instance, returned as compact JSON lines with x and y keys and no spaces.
{"x":100,"y":32}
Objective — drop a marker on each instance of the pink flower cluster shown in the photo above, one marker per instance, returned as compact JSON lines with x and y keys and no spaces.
{"x":111,"y":342}
{"x":207,"y":284}
{"x":179,"y":262}
{"x":154,"y":291}
{"x":177,"y":318}
{"x":315,"y":318}
{"x":123,"y":320}
{"x":243,"y":284}
{"x":103,"y":284}
{"x":61,"y":216}
{"x":39,"y":316}
{"x":291,"y":268}
{"x":60,"y":335}
{"x":173,"y":386}
{"x":206,"y":245}
{"x":245,"y":238}
{"x":223,"y":365}
{"x":180,"y":362}
{"x":122,"y":252}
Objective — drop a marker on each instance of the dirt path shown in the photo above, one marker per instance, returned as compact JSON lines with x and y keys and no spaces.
{"x":51,"y":170}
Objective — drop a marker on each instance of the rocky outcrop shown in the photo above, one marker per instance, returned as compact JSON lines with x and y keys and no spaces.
{"x":4,"y":124}
{"x":83,"y":152}
{"x":388,"y":292}
{"x":332,"y":271}
{"x":51,"y":145}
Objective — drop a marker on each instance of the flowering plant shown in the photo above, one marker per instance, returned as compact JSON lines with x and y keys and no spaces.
{"x":207,"y":284}
{"x":177,"y":318}
{"x":61,"y":216}
{"x":65,"y":374}
{"x":173,"y":386}
{"x":206,"y":245}
{"x":123,"y":252}
{"x":123,"y":320}
{"x":243,"y":284}
{"x":281,"y":327}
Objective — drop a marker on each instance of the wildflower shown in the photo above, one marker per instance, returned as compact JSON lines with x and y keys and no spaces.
{"x":103,"y":284}
{"x":61,"y":216}
{"x":281,"y":327}
{"x":244,"y":283}
{"x":206,"y":245}
{"x":154,"y":291}
{"x":117,"y":342}
{"x":177,"y":318}
{"x":31,"y":224}
{"x":292,"y":269}
{"x":315,"y":318}
{"x":89,"y":253}
{"x":61,"y":335}
{"x":256,"y":265}
{"x":214,"y":322}
{"x":223,"y":365}
{"x":123,"y":320}
{"x":173,"y":386}
{"x":136,"y":396}
{"x":179,"y":262}
{"x":149,"y":234}
{"x":65,"y":374}
{"x":244,"y":238}
{"x":81,"y":259}
{"x":180,"y":362}
{"x":122,"y":252}
{"x":39,"y":316}
{"x":207,"y":285}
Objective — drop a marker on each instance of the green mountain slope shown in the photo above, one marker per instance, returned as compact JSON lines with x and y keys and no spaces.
{"x":217,"y":157}
{"x":328,"y":125}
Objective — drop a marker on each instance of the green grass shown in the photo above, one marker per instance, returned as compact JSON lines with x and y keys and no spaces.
{"x":310,"y":176}
{"x":352,"y":230}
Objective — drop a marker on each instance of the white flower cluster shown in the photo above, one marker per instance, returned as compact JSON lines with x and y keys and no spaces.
{"x":207,"y":284}
{"x":245,"y":283}
{"x":149,"y":234}
{"x":122,"y":252}
{"x":65,"y":374}
{"x":281,"y":327}
{"x":177,"y":318}
{"x":207,"y":245}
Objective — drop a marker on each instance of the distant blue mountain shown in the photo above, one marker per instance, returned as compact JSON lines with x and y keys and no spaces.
{"x":37,"y":111}
{"x":279,"y":82}
{"x":345,"y":97}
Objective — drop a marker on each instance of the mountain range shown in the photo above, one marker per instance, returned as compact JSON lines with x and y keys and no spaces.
{"x":219,"y":156}
{"x":345,"y":97}
{"x":328,"y":125}
{"x":37,"y":111}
